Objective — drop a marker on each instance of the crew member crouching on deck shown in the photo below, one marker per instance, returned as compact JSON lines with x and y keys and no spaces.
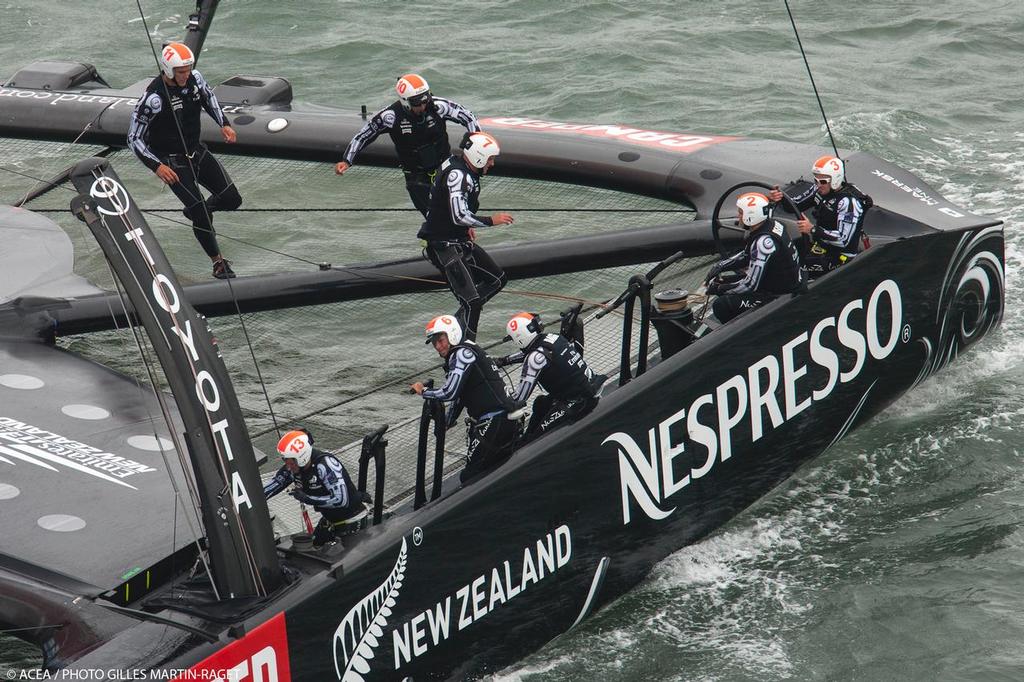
{"x":164,"y":134}
{"x":322,"y":482}
{"x":472,"y":382}
{"x":557,"y":364}
{"x":767,"y":267}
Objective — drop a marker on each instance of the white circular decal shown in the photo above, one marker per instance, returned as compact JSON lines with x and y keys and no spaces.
{"x":22,"y":381}
{"x":150,"y":443}
{"x":61,"y":523}
{"x":85,"y":412}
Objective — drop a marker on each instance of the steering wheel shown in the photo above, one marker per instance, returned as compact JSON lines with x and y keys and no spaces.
{"x":717,"y":224}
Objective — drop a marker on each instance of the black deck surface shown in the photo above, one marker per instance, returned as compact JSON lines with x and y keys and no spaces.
{"x":70,"y":469}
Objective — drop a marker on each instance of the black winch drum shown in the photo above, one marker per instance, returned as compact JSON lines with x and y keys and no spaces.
{"x":671,"y":316}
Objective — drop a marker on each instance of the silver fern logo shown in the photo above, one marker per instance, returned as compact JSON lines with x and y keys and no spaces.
{"x":362,"y":628}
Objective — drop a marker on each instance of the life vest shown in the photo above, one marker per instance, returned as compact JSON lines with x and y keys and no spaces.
{"x":567,"y":374}
{"x":439,"y":225}
{"x":483,"y":390}
{"x":185,"y":105}
{"x":421,"y":140}
{"x":826,"y":215}
{"x":782,"y":273}
{"x":312,"y":485}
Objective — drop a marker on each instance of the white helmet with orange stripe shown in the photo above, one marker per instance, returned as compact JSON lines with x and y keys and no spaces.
{"x":175,"y":55}
{"x":831,"y":168}
{"x":445,"y":324}
{"x":523,"y":328}
{"x":412,"y":90}
{"x":754,"y":208}
{"x":478,"y":147}
{"x":296,"y":445}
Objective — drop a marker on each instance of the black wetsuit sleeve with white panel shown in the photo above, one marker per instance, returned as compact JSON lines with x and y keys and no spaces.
{"x":472,"y":382}
{"x":421,"y":140}
{"x":840,"y":219}
{"x":281,"y":480}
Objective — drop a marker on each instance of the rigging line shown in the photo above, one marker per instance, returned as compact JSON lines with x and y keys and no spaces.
{"x":45,"y":186}
{"x":811,"y":76}
{"x":147,"y":363}
{"x":375,"y":389}
{"x":252,"y":352}
{"x":161,"y":401}
{"x":340,"y":209}
{"x":177,"y":122}
{"x":377,"y":276}
{"x":253,"y":245}
{"x":250,"y":557}
{"x":34,"y":627}
{"x":341,"y":268}
{"x":219,"y":454}
{"x":218,"y":450}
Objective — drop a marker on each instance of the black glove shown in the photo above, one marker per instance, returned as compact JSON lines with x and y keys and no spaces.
{"x":502,"y":361}
{"x":301,"y":496}
{"x":714,"y":288}
{"x":713,"y":272}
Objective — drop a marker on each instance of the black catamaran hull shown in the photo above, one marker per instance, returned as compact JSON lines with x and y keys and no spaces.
{"x":470,"y":583}
{"x":477,"y":579}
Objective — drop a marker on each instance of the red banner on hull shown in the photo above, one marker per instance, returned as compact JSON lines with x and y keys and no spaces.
{"x":260,"y":656}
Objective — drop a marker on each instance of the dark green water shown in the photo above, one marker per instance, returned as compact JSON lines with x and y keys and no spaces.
{"x":897,"y":555}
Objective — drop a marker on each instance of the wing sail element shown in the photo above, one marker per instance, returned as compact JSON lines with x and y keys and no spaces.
{"x":234,"y":512}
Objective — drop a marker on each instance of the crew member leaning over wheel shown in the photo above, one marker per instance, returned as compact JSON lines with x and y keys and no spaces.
{"x":164,"y":134}
{"x":416,"y":124}
{"x":472,"y":382}
{"x":557,"y":364}
{"x":767,"y":267}
{"x":322,"y":482}
{"x":839,"y":209}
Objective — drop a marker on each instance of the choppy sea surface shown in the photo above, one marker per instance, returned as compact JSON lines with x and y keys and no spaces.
{"x":897,"y":555}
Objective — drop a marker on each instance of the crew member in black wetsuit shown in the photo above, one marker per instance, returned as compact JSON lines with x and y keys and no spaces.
{"x":322,"y":482}
{"x":767,"y":267}
{"x":558,"y":365}
{"x":164,"y":134}
{"x":450,"y":229}
{"x":839,"y":209}
{"x":472,"y":382}
{"x":416,"y":123}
